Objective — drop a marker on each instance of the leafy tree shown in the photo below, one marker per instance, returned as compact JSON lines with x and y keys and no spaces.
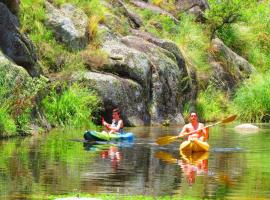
{"x":224,"y":12}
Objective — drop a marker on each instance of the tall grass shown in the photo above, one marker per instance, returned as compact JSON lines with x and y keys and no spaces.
{"x":212,"y":104}
{"x":193,"y":40}
{"x":191,"y":37}
{"x":74,"y":106}
{"x":7,"y":123}
{"x":252,"y":100}
{"x":250,"y":37}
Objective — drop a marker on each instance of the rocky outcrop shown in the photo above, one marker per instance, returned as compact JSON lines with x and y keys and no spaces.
{"x":69,"y":25}
{"x":195,"y":7}
{"x":16,"y":78}
{"x":13,"y":5}
{"x":120,"y":92}
{"x":229,"y":69}
{"x":16,"y":45}
{"x":165,"y":97}
{"x":134,"y":18}
{"x":150,"y":74}
{"x":153,"y":8}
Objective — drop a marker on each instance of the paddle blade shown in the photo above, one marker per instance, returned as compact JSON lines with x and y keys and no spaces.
{"x":167,"y":157}
{"x":229,"y":119}
{"x":166,"y":140}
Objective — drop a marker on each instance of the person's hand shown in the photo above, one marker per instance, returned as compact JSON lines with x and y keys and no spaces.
{"x":181,"y":135}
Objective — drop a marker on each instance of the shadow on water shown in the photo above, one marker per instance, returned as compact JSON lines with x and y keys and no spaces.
{"x":57,"y":163}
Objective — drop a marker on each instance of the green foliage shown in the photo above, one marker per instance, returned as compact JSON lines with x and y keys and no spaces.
{"x":251,"y":37}
{"x":223,"y":12}
{"x":212,"y":104}
{"x":194,"y":43}
{"x":32,"y":23}
{"x":252,"y":100}
{"x":7,"y":123}
{"x":73,"y":107}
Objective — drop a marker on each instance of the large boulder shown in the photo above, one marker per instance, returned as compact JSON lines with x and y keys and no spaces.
{"x":165,"y":98}
{"x":69,"y":25}
{"x":154,"y":72}
{"x":16,"y":45}
{"x":123,"y":93}
{"x":229,"y":69}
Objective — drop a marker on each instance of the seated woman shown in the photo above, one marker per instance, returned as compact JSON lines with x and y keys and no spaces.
{"x":117,"y":123}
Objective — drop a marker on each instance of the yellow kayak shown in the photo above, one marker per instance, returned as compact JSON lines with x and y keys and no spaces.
{"x":194,"y":146}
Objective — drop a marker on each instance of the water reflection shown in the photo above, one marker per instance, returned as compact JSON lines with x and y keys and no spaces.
{"x":108,"y":151}
{"x":194,"y":164}
{"x":191,"y":164}
{"x":53,"y":164}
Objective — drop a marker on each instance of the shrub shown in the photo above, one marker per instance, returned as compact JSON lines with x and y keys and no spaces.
{"x":74,"y":106}
{"x":212,"y":104}
{"x":7,"y":123}
{"x":252,"y":100}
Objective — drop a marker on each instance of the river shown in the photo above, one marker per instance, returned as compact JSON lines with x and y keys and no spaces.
{"x":237,"y":166}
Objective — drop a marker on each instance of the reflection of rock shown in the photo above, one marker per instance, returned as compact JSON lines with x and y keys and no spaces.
{"x":246,"y":128}
{"x":69,"y":25}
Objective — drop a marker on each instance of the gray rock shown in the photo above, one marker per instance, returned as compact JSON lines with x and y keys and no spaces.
{"x":229,"y":69}
{"x":195,"y":7}
{"x":153,"y":8}
{"x":118,"y":92}
{"x":246,"y":128}
{"x":13,"y":5}
{"x":165,"y":97}
{"x":16,"y":45}
{"x":69,"y":25}
{"x":128,"y":62}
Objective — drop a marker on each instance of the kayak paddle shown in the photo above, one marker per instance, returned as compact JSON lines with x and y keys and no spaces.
{"x":168,"y":139}
{"x":167,"y":157}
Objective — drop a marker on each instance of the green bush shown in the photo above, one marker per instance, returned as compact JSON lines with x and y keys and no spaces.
{"x":250,"y":36}
{"x":73,"y":107}
{"x":212,"y":104}
{"x":252,"y":100}
{"x":7,"y":123}
{"x":194,"y":42}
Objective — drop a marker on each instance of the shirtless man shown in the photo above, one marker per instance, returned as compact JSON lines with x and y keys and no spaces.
{"x":193,"y":126}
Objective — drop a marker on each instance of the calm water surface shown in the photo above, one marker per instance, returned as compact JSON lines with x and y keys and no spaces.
{"x":237,"y":167}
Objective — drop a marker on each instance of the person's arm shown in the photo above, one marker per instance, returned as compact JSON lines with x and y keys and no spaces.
{"x":183,"y":131}
{"x":104,"y":123}
{"x":205,"y":131}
